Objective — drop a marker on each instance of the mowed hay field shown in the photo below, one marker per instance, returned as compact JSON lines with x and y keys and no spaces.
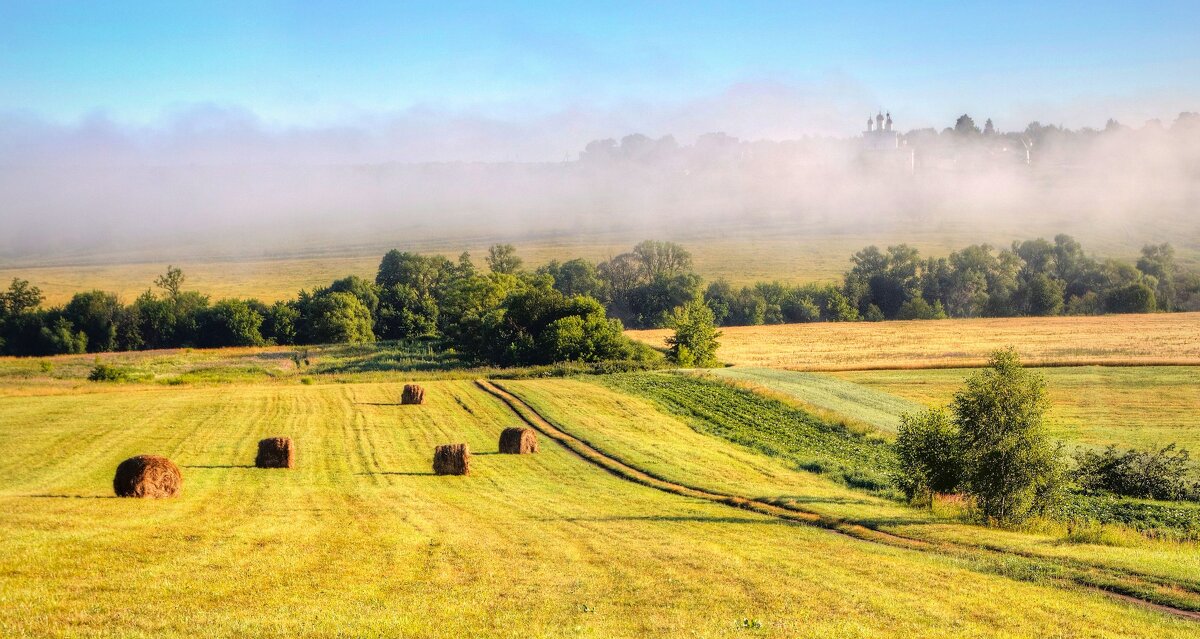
{"x":1172,"y":338}
{"x":360,"y":539}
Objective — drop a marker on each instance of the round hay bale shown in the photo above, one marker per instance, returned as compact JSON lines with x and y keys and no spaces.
{"x":276,"y":452}
{"x":518,"y":441}
{"x":148,"y":476}
{"x":452,"y":459}
{"x":413,"y":394}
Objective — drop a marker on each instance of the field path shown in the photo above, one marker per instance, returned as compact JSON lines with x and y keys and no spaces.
{"x":1113,"y":583}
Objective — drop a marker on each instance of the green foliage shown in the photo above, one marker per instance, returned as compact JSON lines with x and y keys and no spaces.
{"x":280,"y":323}
{"x":335,"y":318}
{"x":1151,"y":474}
{"x":1009,"y":466}
{"x":927,"y":449}
{"x":918,"y":309}
{"x":107,"y":373}
{"x":1131,"y":298}
{"x":60,"y":338}
{"x":766,"y":425}
{"x":502,"y":258}
{"x":694,"y":344}
{"x":230,"y":322}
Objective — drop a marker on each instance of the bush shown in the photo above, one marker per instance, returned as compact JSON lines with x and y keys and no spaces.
{"x":106,"y":373}
{"x":927,"y":447}
{"x":1149,"y":474}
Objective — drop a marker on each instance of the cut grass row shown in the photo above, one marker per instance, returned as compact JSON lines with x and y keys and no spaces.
{"x":360,"y":540}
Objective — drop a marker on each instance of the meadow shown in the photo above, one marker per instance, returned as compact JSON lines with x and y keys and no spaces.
{"x":1158,"y":338}
{"x":1143,"y":406}
{"x":362,"y":540}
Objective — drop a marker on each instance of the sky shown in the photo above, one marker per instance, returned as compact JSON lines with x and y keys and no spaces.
{"x":325,"y":64}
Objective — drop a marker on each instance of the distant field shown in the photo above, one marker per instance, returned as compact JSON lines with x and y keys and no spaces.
{"x":1111,"y":339}
{"x":742,"y":254}
{"x":1127,"y":406}
{"x":361,"y":540}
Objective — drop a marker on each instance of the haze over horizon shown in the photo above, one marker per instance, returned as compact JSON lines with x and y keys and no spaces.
{"x":130,"y":124}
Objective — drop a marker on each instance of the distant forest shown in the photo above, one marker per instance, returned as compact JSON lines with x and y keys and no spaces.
{"x":576,"y":310}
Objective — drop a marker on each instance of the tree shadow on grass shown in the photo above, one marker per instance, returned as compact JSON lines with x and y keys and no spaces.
{"x":680,"y":518}
{"x":400,"y":473}
{"x":75,"y":496}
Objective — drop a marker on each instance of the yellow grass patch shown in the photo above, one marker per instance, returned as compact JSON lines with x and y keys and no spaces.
{"x":1160,"y":338}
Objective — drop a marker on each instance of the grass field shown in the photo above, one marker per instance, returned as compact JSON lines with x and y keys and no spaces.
{"x":360,"y":540}
{"x":1127,"y":406}
{"x":621,"y":414}
{"x":1109,"y":339}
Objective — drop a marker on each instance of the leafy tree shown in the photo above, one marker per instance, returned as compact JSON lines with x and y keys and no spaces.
{"x":60,"y":337}
{"x":1158,"y":261}
{"x":1131,"y":298}
{"x":918,"y":309}
{"x":1041,"y":295}
{"x":502,"y":258}
{"x":21,"y":297}
{"x":719,"y":297}
{"x":425,"y":274}
{"x":694,"y":343}
{"x":405,"y":312}
{"x":230,"y":322}
{"x":170,"y":282}
{"x":280,"y":323}
{"x":1008,"y":464}
{"x":335,"y":318}
{"x":366,"y":292}
{"x":97,"y":314}
{"x":927,"y":447}
{"x":575,"y":277}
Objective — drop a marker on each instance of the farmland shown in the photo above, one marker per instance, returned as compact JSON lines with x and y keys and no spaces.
{"x":1146,"y":406}
{"x":361,"y":539}
{"x":1172,"y":338}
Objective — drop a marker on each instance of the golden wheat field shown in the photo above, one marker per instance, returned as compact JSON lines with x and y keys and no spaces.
{"x":1160,"y":338}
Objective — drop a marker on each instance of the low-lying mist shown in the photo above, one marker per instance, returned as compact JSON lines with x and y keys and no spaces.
{"x":222,"y":182}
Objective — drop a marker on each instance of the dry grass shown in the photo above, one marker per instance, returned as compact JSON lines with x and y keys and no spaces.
{"x":1114,"y":340}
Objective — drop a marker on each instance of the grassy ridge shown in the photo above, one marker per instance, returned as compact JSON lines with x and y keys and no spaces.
{"x":860,"y":403}
{"x":772,"y":428}
{"x":360,"y":540}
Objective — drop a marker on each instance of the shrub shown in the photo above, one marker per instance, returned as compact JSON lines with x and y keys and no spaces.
{"x":1162,"y":474}
{"x":927,"y":447}
{"x":106,"y":373}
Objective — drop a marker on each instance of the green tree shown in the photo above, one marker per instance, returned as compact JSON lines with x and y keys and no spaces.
{"x":230,"y":322}
{"x":1158,"y":261}
{"x":97,"y":314}
{"x":695,"y":341}
{"x":335,"y":318}
{"x":927,"y":447}
{"x":1009,"y":466}
{"x":502,"y":258}
{"x":170,"y":282}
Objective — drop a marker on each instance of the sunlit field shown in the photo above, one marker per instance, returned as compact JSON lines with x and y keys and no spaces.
{"x":1172,"y":338}
{"x":1146,"y":406}
{"x":362,"y":540}
{"x":795,"y":254}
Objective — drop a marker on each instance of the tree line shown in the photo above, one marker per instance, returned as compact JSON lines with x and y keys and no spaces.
{"x":1032,"y":278}
{"x":576,"y":310}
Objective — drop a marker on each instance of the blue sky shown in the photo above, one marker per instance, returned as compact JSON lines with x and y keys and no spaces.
{"x":307,"y":63}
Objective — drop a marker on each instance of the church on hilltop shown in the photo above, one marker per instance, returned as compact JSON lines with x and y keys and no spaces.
{"x":883,"y":148}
